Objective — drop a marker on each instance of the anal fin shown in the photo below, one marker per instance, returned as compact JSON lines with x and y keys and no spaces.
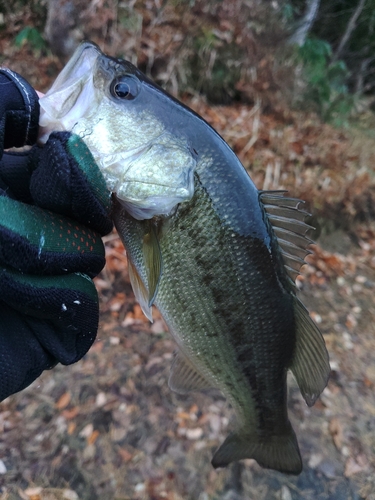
{"x":310,"y":364}
{"x":184,"y":377}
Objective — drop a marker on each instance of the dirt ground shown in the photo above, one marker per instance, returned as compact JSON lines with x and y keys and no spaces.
{"x":109,"y":428}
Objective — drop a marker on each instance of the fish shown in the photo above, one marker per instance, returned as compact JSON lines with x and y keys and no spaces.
{"x":214,"y":254}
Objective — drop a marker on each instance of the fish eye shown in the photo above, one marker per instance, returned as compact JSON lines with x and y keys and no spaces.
{"x":125,"y":87}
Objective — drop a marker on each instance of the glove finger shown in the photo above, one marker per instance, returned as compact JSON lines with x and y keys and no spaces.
{"x":37,"y":241}
{"x":22,"y":356}
{"x":63,"y":310}
{"x":15,"y":174}
{"x":19,"y":111}
{"x":68,"y":181}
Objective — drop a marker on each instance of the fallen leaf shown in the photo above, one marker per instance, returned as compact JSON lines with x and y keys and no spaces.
{"x":352,"y":467}
{"x":193,"y":434}
{"x":87,"y":431}
{"x":63,"y":401}
{"x":70,"y":413}
{"x":71,"y":428}
{"x":125,"y":455}
{"x":93,"y":437}
{"x":336,"y":431}
{"x":34,"y":493}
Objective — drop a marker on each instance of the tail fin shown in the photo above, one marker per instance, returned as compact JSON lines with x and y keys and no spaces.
{"x":280,"y":452}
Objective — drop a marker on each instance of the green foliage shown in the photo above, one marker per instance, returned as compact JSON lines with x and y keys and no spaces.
{"x":37,"y":7}
{"x":215,"y":66}
{"x":332,"y":22}
{"x":32,"y":37}
{"x":287,"y":12}
{"x":327,"y":88}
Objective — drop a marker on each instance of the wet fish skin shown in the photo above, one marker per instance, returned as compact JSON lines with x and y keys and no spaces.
{"x":218,"y":265}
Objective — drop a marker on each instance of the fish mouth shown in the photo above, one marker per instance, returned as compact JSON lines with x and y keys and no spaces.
{"x":57,"y":104}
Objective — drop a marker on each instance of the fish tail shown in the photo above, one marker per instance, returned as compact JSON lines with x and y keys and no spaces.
{"x":279,"y":452}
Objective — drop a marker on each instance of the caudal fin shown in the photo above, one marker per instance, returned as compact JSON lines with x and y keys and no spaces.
{"x":280,"y":452}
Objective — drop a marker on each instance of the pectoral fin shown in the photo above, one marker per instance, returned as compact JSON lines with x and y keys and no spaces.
{"x":144,"y":256}
{"x":184,"y":377}
{"x":311,"y":362}
{"x":140,"y":291}
{"x":153,"y":262}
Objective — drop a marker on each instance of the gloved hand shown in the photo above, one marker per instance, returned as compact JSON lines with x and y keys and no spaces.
{"x":54,"y":206}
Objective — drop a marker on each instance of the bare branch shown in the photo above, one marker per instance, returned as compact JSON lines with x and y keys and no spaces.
{"x":349,"y":29}
{"x":299,"y":36}
{"x":363,"y":73}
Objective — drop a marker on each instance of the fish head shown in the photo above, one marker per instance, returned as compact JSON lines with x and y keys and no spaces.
{"x":121,"y":116}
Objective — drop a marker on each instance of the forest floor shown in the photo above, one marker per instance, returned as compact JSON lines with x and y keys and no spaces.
{"x":108,"y":427}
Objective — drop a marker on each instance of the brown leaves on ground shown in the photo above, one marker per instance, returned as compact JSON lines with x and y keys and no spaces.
{"x":330,"y":169}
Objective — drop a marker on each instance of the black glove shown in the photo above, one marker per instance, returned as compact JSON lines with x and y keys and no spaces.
{"x":54,"y":206}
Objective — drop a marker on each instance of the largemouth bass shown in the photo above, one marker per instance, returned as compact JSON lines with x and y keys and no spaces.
{"x":214,"y":254}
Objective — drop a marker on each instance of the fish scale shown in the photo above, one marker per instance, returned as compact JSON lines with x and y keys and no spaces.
{"x":210,"y":327}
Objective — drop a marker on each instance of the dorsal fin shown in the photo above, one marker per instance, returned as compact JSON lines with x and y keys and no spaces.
{"x":290,"y":228}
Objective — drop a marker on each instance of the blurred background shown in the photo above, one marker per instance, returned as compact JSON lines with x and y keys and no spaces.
{"x":290,"y":85}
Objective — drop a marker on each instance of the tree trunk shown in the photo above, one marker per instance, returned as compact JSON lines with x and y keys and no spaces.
{"x":300,"y":35}
{"x":362,"y":73}
{"x":349,"y":29}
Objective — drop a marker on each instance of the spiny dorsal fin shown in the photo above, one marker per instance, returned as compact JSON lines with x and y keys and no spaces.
{"x":184,"y":377}
{"x":288,"y":222}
